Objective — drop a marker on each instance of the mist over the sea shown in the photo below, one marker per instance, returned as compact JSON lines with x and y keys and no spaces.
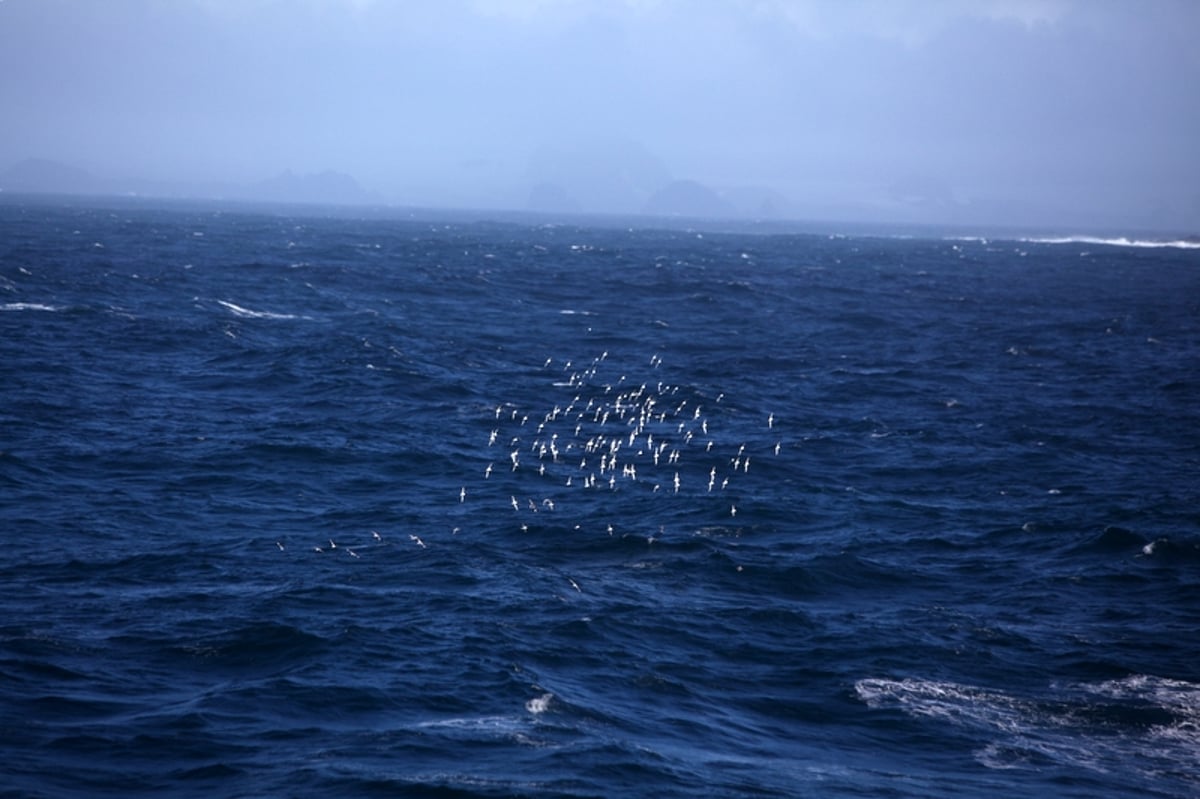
{"x":1066,"y":114}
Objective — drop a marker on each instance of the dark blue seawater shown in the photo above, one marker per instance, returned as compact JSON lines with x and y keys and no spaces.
{"x":301,"y":506}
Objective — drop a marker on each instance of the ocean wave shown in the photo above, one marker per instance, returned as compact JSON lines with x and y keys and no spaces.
{"x":29,"y":306}
{"x":241,"y":560}
{"x":1117,"y":241}
{"x":1141,"y":723}
{"x":246,"y":313}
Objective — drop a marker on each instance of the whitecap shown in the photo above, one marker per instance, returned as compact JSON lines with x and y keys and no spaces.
{"x":539,"y":704}
{"x":1181,"y":700}
{"x":1077,"y":724}
{"x":942,"y":700}
{"x":249,"y":314}
{"x":29,"y":306}
{"x":502,"y":725}
{"x":485,"y":728}
{"x":1116,"y":241}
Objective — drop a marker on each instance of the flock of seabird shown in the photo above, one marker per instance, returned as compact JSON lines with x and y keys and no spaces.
{"x":605,"y":433}
{"x":608,"y":434}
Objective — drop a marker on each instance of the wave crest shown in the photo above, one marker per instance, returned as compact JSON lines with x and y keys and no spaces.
{"x":1139,"y":723}
{"x":246,"y":313}
{"x":1117,"y":241}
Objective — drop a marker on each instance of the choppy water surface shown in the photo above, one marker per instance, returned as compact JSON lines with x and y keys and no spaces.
{"x":311,"y":506}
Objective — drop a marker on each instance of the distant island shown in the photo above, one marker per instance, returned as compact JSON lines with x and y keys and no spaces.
{"x":336,"y":188}
{"x":41,"y":175}
{"x":47,"y":176}
{"x":689,"y":198}
{"x":617,"y":180}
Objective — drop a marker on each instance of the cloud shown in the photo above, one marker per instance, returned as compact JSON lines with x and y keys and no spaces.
{"x":911,"y":22}
{"x":821,"y":101}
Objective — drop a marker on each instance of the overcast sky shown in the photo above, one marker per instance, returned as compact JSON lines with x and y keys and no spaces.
{"x":1066,"y":111}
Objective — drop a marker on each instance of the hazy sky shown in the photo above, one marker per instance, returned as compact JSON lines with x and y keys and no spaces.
{"x":1065,"y":111}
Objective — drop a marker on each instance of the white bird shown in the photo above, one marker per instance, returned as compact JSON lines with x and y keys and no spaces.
{"x":462,"y":494}
{"x":418,"y":541}
{"x":487,"y":472}
{"x":514,"y":504}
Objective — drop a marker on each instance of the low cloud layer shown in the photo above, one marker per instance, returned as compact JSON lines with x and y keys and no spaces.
{"x":1076,"y":112}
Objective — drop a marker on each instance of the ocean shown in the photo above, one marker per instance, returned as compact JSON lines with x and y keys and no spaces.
{"x":302,"y":504}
